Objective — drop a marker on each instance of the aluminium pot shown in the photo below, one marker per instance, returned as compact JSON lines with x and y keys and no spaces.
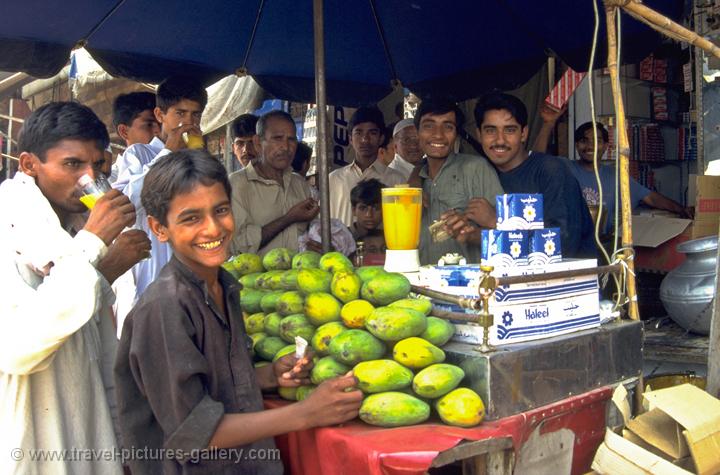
{"x":687,"y":292}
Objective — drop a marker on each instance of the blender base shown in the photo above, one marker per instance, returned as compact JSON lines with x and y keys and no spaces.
{"x":402,"y":261}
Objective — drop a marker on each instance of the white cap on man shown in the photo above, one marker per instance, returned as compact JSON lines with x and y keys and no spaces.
{"x":403,"y":124}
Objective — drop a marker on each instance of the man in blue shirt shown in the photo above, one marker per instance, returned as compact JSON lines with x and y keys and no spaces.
{"x":584,"y":172}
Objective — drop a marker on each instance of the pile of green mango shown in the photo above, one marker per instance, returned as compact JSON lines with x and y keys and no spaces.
{"x":360,"y":319}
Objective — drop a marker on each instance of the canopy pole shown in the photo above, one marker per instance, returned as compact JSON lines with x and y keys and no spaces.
{"x":623,"y":148}
{"x":321,"y":143}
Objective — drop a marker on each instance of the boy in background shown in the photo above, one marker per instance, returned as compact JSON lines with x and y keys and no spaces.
{"x":134,"y":121}
{"x":184,"y":371}
{"x":366,"y":200}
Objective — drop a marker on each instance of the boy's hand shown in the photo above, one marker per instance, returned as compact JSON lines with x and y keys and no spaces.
{"x":291,"y":372}
{"x":459,"y":227}
{"x":175,"y":139}
{"x":127,"y":250}
{"x":111,"y":214}
{"x":333,"y":402}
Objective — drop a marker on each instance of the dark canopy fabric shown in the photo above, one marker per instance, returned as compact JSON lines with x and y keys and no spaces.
{"x":459,"y":48}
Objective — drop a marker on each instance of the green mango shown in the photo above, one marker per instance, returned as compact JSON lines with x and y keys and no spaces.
{"x":304,"y":391}
{"x":379,"y":376}
{"x":366,"y":273}
{"x":437,"y":380}
{"x":279,"y":258}
{"x":296,"y":325}
{"x":289,"y":279}
{"x":269,"y":346}
{"x":314,"y":280}
{"x":306,"y":260}
{"x":289,"y":394}
{"x":384,"y":289}
{"x":395,"y":323}
{"x":438,"y":331}
{"x":250,"y":300}
{"x":393,"y":409}
{"x":272,"y":323}
{"x":249,"y":281}
{"x":247,"y":264}
{"x":285,"y":350}
{"x":327,"y":368}
{"x":290,"y":302}
{"x":268,"y":302}
{"x":345,"y":286}
{"x":421,"y":305}
{"x":321,"y":308}
{"x":255,"y":323}
{"x":353,"y":346}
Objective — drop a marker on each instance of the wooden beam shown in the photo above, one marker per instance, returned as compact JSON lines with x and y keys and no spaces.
{"x":623,"y":148}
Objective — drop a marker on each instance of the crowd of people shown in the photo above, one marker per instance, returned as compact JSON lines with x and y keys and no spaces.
{"x":144,"y":266}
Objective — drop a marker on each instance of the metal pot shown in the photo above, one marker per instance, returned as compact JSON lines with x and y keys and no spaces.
{"x":687,"y":292}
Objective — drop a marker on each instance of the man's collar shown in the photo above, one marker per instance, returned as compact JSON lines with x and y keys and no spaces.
{"x":252,"y":174}
{"x":378,"y":165}
{"x":424,"y":168}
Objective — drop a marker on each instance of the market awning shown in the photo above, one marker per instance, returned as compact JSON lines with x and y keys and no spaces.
{"x":462,"y":47}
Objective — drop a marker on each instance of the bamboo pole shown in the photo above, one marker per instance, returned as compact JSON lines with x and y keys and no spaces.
{"x":663,"y":24}
{"x":623,"y":148}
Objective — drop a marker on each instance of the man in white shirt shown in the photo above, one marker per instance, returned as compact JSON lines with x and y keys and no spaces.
{"x":366,"y":127}
{"x":56,"y":266}
{"x":243,"y":132}
{"x":407,"y":147}
{"x":180,"y":104}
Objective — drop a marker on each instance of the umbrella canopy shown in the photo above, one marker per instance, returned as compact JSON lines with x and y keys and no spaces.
{"x":461,"y":48}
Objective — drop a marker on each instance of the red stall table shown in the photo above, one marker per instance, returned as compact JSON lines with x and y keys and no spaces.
{"x":356,"y":448}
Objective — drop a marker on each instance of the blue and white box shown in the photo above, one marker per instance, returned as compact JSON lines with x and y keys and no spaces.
{"x":519,"y":211}
{"x":463,"y":281}
{"x":504,"y":248}
{"x":524,"y":322}
{"x":545,"y":247}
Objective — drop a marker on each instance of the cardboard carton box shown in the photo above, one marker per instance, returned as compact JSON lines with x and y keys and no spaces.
{"x":679,"y":434}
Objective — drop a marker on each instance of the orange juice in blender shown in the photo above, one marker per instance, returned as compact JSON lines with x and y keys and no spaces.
{"x":402,"y":213}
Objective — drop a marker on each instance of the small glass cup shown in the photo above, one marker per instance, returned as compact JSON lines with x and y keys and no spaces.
{"x":93,"y":190}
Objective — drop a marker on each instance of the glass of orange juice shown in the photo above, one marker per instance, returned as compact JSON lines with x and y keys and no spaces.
{"x":92,"y":190}
{"x":402,"y":213}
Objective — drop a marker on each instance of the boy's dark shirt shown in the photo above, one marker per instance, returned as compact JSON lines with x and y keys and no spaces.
{"x":563,"y":202}
{"x":181,"y":365}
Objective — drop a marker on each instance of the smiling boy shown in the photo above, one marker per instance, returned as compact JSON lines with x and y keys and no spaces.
{"x":184,"y":372}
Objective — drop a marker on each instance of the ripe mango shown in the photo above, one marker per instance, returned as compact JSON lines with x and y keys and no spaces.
{"x":255,"y":323}
{"x":256,"y":337}
{"x":384,"y":289}
{"x":247,"y":264}
{"x":437,"y":380}
{"x":368,"y":272}
{"x":379,"y":376}
{"x":393,"y":409}
{"x":354,"y":314}
{"x":268,"y":302}
{"x":321,"y":308}
{"x":353,"y":346}
{"x":272,"y":324}
{"x":393,"y":324}
{"x":314,"y":280}
{"x":335,"y":261}
{"x":324,"y":334}
{"x":296,"y":325}
{"x":327,"y":368}
{"x":285,"y":350}
{"x":290,"y":302}
{"x":438,"y":331}
{"x":416,"y":353}
{"x":250,"y":300}
{"x":304,"y":391}
{"x":461,"y":407}
{"x":345,"y":285}
{"x":267,"y":347}
{"x":249,"y":281}
{"x":306,"y":260}
{"x":279,"y":258}
{"x":421,"y":305}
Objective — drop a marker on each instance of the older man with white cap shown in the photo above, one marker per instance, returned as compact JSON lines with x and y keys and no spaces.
{"x":407,"y":147}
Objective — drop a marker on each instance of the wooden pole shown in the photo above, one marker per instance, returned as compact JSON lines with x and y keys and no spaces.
{"x":623,"y":148}
{"x":321,"y":123}
{"x":664,"y":25}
